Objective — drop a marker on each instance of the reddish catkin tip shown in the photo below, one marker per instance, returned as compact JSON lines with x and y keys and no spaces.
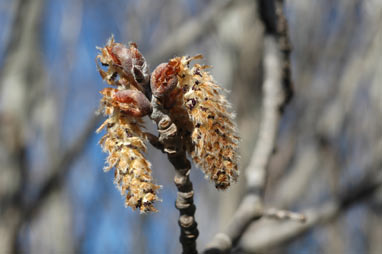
{"x":125,"y":61}
{"x":133,"y":102}
{"x":164,"y":79}
{"x":112,"y":53}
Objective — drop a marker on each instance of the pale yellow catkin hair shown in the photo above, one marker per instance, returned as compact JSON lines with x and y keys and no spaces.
{"x":124,"y":144}
{"x":202,"y":113}
{"x":124,"y":107}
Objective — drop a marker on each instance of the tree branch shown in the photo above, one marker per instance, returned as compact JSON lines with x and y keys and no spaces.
{"x":251,"y":208}
{"x":276,"y":79}
{"x":274,"y":234}
{"x":190,"y":31}
{"x":172,"y":145}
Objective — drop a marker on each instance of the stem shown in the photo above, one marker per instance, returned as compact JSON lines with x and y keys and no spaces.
{"x":172,"y":145}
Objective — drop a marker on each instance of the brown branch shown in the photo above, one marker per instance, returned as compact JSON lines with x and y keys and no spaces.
{"x":251,"y":208}
{"x":276,"y":96}
{"x":172,"y":145}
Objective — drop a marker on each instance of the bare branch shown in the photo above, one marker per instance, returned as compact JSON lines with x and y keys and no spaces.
{"x":273,"y":99}
{"x":172,"y":145}
{"x":190,"y":31}
{"x":277,"y":78}
{"x":251,"y":208}
{"x":274,"y":213}
{"x":275,"y":234}
{"x":286,"y":48}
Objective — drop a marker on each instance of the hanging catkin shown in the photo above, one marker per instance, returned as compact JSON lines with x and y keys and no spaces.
{"x":201,"y":112}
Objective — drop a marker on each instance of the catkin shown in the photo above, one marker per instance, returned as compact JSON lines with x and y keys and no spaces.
{"x":124,"y":107}
{"x":201,"y":112}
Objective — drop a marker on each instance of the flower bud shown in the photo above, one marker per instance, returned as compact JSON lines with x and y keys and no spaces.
{"x":125,"y":61}
{"x":164,"y":79}
{"x":133,"y":102}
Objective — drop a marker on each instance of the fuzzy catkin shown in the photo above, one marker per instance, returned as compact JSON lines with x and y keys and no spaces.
{"x":124,"y":106}
{"x":124,"y":144}
{"x":201,"y":112}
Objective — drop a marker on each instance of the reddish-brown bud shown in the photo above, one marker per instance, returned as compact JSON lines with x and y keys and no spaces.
{"x":164,"y":78}
{"x":127,"y":62}
{"x":133,"y":102}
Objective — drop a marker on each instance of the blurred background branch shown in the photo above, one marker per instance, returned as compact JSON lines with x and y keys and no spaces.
{"x":275,"y":234}
{"x":277,"y":92}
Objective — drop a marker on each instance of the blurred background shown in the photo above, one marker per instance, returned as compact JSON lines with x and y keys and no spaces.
{"x":54,"y":195}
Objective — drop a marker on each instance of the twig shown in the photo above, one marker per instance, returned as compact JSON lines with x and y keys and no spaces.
{"x":251,"y":208}
{"x":272,"y":102}
{"x":286,"y":48}
{"x":169,"y":139}
{"x":275,"y":234}
{"x":190,"y":31}
{"x":275,"y":99}
{"x":274,"y":213}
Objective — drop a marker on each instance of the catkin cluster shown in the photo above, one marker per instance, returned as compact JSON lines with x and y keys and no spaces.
{"x":195,"y":104}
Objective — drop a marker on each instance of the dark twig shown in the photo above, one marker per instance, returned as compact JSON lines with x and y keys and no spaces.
{"x":169,"y":139}
{"x":285,"y":48}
